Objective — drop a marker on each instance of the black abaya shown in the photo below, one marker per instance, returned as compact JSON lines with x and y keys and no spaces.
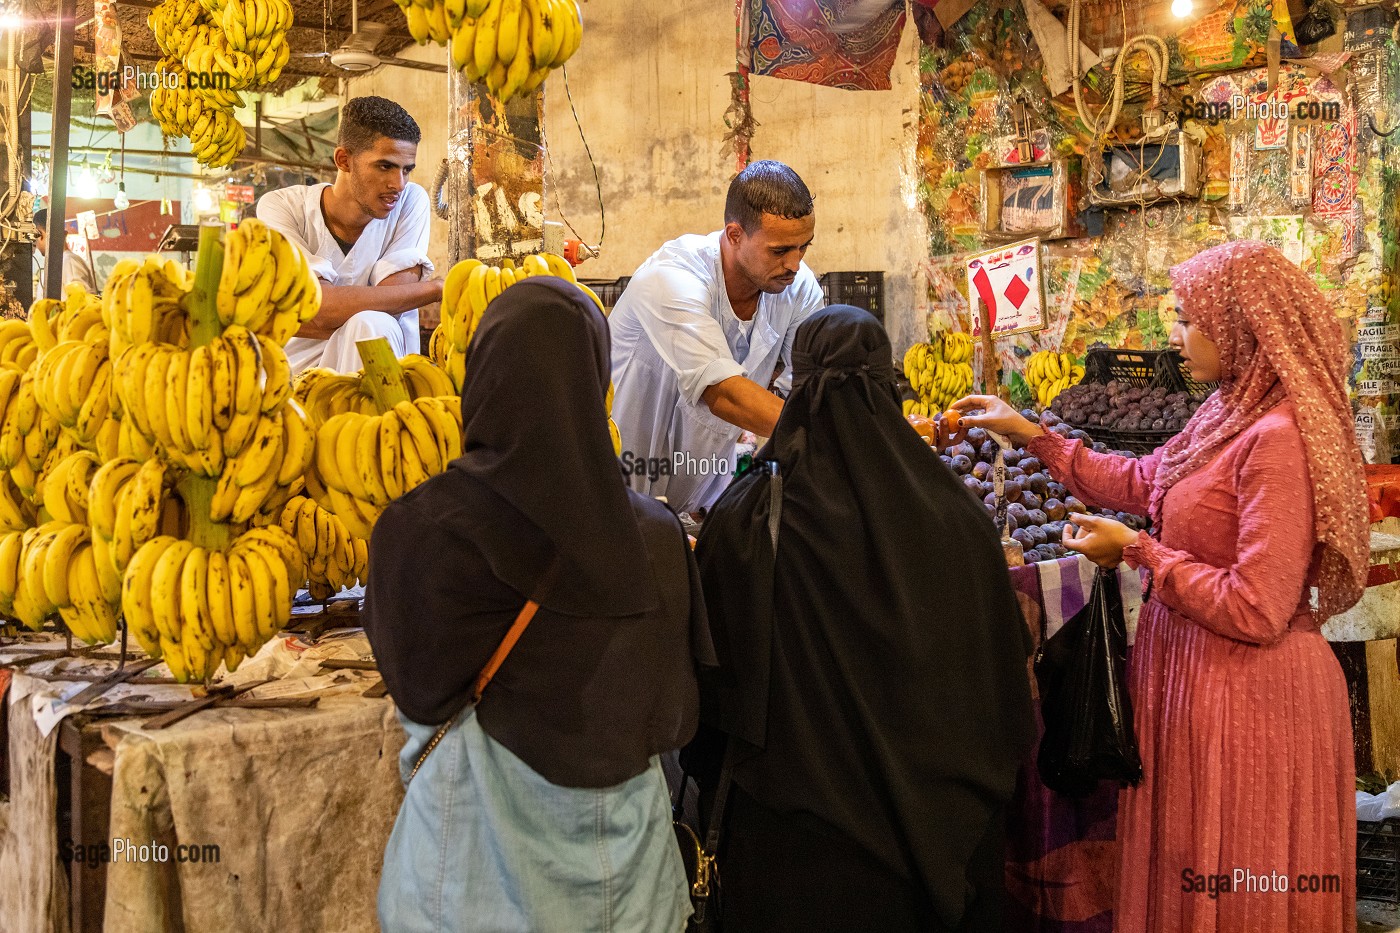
{"x":874,"y":671}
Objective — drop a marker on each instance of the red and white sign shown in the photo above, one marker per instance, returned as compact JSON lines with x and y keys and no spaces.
{"x":1007,"y":281}
{"x":243,"y":194}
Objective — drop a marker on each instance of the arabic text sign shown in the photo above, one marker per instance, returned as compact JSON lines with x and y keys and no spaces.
{"x":1007,"y":280}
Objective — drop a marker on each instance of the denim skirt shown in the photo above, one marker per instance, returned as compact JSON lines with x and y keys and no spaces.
{"x":483,"y":844}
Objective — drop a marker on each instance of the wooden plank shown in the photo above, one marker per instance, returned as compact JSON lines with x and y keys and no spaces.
{"x":1383,"y":698}
{"x":119,"y":676}
{"x":90,"y":800}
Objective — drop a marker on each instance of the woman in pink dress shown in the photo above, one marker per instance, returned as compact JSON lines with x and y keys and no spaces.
{"x":1245,"y":821}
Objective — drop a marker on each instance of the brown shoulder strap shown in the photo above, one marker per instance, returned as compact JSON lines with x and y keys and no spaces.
{"x":503,"y":650}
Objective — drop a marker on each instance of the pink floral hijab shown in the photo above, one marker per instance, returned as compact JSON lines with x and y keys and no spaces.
{"x":1278,"y":339}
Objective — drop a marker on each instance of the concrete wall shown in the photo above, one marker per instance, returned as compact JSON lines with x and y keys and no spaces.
{"x":650,"y":87}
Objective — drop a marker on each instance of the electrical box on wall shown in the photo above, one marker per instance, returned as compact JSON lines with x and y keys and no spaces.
{"x":1144,"y":173}
{"x":1035,"y":199}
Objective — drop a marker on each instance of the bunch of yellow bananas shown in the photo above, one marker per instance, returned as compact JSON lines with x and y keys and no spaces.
{"x":938,"y":382}
{"x":71,"y":374}
{"x":335,"y":558}
{"x":128,"y":503}
{"x":221,"y":71}
{"x":511,"y":44}
{"x":72,"y":384}
{"x":142,"y":302}
{"x":203,"y":406}
{"x":267,"y":285}
{"x":325,"y":393}
{"x":363,"y":462}
{"x":259,"y":29}
{"x":53,"y":568}
{"x":957,"y":347}
{"x":173,"y":23}
{"x":17,"y":347}
{"x":198,"y":607}
{"x":174,"y":105}
{"x":217,"y":138}
{"x":1048,"y":374}
{"x":469,"y":288}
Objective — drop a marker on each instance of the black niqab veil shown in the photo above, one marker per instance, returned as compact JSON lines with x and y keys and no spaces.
{"x":532,"y":408}
{"x":876,"y":669}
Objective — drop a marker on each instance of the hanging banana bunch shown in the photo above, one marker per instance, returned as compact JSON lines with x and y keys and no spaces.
{"x":511,"y":45}
{"x":940,"y":372}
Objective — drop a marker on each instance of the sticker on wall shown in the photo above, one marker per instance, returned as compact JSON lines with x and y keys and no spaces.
{"x":1008,"y":281}
{"x":1300,"y":158}
{"x":1239,"y":169}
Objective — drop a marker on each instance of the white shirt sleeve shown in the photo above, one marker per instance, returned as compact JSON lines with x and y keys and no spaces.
{"x":287,"y":215}
{"x":407,"y":246}
{"x":811,"y":300}
{"x":674,"y":313}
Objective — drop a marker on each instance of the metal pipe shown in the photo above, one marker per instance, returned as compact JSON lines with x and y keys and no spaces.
{"x":55,"y":236}
{"x":311,"y":166}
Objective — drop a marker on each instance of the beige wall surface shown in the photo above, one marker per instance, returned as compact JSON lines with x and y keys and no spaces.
{"x":650,"y":87}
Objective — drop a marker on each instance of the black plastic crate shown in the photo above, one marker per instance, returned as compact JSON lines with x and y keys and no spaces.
{"x":860,"y":289}
{"x":608,"y":290}
{"x":1141,"y":443}
{"x":1173,"y":374}
{"x":1134,"y":367}
{"x":1378,"y":861}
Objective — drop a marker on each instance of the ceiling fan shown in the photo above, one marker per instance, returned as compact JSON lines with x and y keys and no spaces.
{"x":356,"y":54}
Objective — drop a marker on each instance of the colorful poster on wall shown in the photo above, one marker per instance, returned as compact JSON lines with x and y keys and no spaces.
{"x":1008,"y":281}
{"x":833,"y":43}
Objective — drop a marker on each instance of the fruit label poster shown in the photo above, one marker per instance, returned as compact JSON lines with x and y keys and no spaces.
{"x":1007,"y":281}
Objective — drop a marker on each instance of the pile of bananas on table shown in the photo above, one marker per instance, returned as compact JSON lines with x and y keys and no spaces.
{"x":1049,"y":373}
{"x":215,"y":49}
{"x":511,"y":45}
{"x":146,"y":463}
{"x":940,"y":372}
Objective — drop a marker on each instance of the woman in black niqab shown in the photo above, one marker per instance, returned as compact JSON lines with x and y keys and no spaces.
{"x":544,"y":806}
{"x":873,"y":675}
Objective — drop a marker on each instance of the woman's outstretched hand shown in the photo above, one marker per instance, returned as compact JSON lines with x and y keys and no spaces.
{"x":996,"y":416}
{"x":1100,"y":539}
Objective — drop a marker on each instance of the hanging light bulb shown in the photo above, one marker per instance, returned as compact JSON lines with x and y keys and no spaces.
{"x":121,"y":202}
{"x":1181,"y":8}
{"x":85,"y":185}
{"x":203,"y":199}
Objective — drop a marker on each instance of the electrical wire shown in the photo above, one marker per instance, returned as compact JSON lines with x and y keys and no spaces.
{"x":597,"y":182}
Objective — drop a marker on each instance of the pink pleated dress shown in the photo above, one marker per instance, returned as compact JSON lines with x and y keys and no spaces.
{"x":1239,"y":705}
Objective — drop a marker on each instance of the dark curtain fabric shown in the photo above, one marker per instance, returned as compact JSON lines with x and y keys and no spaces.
{"x":874,"y":669}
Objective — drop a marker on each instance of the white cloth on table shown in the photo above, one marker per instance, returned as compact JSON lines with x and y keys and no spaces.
{"x":674,"y":334}
{"x":396,"y":243}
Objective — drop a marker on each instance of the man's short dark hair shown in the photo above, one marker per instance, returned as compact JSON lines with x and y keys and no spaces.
{"x":365,"y":119}
{"x":41,"y":218}
{"x":766,"y":187}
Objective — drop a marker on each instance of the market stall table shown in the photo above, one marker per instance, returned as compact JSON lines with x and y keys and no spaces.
{"x":271,"y":818}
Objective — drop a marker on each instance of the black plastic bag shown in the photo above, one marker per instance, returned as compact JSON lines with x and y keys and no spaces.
{"x":1084,"y":698}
